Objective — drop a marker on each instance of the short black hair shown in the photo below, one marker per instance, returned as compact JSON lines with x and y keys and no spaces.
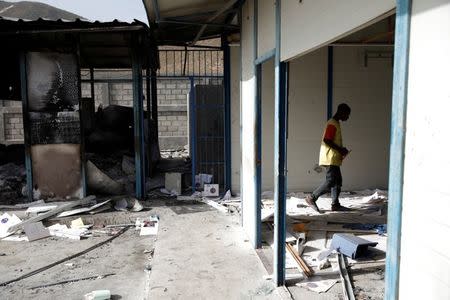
{"x":343,"y":108}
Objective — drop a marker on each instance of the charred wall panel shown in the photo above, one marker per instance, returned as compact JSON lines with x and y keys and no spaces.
{"x":53,"y":101}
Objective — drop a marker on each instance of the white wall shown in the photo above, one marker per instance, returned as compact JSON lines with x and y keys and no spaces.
{"x":266,"y":26}
{"x":366,"y":89}
{"x":235,"y":118}
{"x":267,"y":126}
{"x":248,"y":113}
{"x":425,"y":246}
{"x":307,"y":116}
{"x":308,"y":25}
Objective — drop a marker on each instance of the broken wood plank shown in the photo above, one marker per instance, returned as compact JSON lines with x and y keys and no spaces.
{"x":50,"y":213}
{"x":344,"y":217}
{"x":306,"y":269}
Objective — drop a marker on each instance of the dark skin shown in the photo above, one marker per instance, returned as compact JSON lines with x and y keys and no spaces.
{"x":339,"y":116}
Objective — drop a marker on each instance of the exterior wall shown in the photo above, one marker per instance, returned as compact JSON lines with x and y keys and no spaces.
{"x":309,"y":25}
{"x":235,"y":118}
{"x":250,"y":212}
{"x":266,"y":26}
{"x":172,"y":106}
{"x":172,"y":110}
{"x":426,"y":198}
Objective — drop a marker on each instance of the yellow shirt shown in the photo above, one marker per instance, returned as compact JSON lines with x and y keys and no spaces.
{"x":329,"y":156}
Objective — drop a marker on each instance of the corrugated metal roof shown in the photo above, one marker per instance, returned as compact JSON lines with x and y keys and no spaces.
{"x":102,"y":44}
{"x":8,"y":23}
{"x":182,"y":22}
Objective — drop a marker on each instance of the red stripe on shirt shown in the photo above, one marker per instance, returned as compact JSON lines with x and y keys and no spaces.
{"x":330,"y":132}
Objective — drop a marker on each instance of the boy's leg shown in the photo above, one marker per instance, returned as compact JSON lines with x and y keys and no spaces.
{"x":325,"y":186}
{"x":336,"y":185}
{"x":322,"y":189}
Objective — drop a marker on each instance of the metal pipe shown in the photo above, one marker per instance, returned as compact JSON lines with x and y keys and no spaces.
{"x":397,"y":151}
{"x":224,"y":8}
{"x":171,"y":21}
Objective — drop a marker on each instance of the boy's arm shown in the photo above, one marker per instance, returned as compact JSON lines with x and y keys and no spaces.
{"x":328,"y":138}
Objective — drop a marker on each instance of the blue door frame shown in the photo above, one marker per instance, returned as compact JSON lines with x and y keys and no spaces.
{"x":398,"y":123}
{"x":397,"y":151}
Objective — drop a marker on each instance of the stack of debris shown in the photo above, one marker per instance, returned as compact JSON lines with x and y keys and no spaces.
{"x":322,"y":249}
{"x":12,"y":228}
{"x":12,"y":180}
{"x":175,"y":153}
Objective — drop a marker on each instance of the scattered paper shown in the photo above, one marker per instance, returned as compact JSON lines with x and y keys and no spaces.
{"x":77,"y":223}
{"x":216,"y":205}
{"x":71,"y":233}
{"x":148,"y":226}
{"x":211,"y":190}
{"x":317,"y":285}
{"x":6,"y":221}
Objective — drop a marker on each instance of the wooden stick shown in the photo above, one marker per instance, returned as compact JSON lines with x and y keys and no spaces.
{"x":306,"y":269}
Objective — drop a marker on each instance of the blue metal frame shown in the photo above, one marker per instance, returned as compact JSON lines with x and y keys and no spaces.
{"x":265,"y":57}
{"x":227,"y":116}
{"x":84,"y":186}
{"x":193,"y":132}
{"x":26,"y":125}
{"x":280,"y":154}
{"x":240,"y":119}
{"x":330,"y":83}
{"x":258,"y":129}
{"x":397,"y":151}
{"x":138,"y":110}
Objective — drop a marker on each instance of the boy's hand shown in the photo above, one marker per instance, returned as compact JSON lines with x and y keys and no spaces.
{"x":344,"y":151}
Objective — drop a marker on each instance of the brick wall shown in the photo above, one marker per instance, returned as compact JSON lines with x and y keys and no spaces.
{"x":172,"y":109}
{"x":13,"y":127}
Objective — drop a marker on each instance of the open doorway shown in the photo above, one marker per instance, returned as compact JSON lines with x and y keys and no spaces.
{"x":356,"y":70}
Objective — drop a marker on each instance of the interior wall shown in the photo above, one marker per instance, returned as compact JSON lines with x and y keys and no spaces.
{"x":366,"y":89}
{"x":309,"y":25}
{"x":426,"y":198}
{"x":307,"y":116}
{"x":267,"y":124}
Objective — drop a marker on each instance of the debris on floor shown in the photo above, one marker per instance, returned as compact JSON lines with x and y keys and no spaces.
{"x":148,"y":226}
{"x":315,"y":242}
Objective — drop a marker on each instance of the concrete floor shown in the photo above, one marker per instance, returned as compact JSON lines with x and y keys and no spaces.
{"x":200,"y":253}
{"x":203,"y":254}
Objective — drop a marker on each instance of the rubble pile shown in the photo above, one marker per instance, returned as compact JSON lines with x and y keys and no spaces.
{"x":175,"y":153}
{"x":12,"y":180}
